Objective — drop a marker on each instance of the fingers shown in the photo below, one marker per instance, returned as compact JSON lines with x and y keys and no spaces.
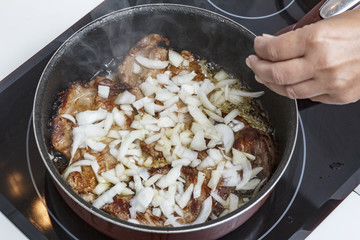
{"x":281,"y":73}
{"x":286,"y":46}
{"x":306,"y":89}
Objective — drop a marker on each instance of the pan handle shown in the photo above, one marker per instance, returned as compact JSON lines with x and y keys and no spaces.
{"x":324,"y":9}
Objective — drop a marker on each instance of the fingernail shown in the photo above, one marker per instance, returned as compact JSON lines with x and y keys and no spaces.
{"x":247,"y":61}
{"x":265,"y":35}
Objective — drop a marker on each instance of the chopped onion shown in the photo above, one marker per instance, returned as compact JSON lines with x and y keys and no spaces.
{"x":152,"y":180}
{"x":227,"y":136}
{"x":107,"y":197}
{"x":183,"y":152}
{"x":246,"y":168}
{"x":199,"y":116}
{"x":110,"y":176}
{"x":127,"y":141}
{"x":136,"y":68}
{"x":198,"y":185}
{"x":125,"y":98}
{"x":151,"y":63}
{"x":154,"y":138}
{"x":233,"y":202}
{"x":231,"y":116}
{"x":69,"y":117}
{"x":251,"y":184}
{"x":206,"y":209}
{"x":214,"y":116}
{"x":156,"y":212}
{"x":249,"y":156}
{"x":175,"y":58}
{"x":205,"y":101}
{"x":219,"y":199}
{"x":185,"y":197}
{"x":147,"y":88}
{"x":103,"y":91}
{"x":242,"y":93}
{"x":165,"y":122}
{"x":183,"y":78}
{"x":89,"y":116}
{"x":215,"y":176}
{"x":94,"y":145}
{"x":221,"y":75}
{"x":198,"y":143}
{"x":101,"y":187}
{"x":119,"y":117}
{"x":144,"y":198}
{"x":225,"y":82}
{"x":256,"y":171}
{"x":182,"y":162}
{"x":69,"y":170}
{"x":169,"y":178}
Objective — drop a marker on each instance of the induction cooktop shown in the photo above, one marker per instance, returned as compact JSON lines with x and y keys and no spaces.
{"x":322,"y":171}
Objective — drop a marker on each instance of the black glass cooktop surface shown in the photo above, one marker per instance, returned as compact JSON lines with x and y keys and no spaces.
{"x":317,"y":180}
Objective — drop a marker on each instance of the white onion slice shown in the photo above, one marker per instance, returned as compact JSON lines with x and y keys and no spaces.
{"x":90,"y":116}
{"x":101,"y":188}
{"x":225,"y":82}
{"x":169,"y":178}
{"x":152,"y":180}
{"x":199,"y":116}
{"x":198,"y":143}
{"x":151,"y":63}
{"x":233,"y":202}
{"x":205,"y":101}
{"x":107,"y":197}
{"x":251,"y":184}
{"x":127,"y":141}
{"x":136,"y":68}
{"x":231,"y":116}
{"x":221,"y":75}
{"x":242,"y":93}
{"x":219,"y":199}
{"x":119,"y":117}
{"x":147,"y":88}
{"x":94,"y":145}
{"x":198,"y":185}
{"x":175,"y":58}
{"x":125,"y":98}
{"x":214,"y":116}
{"x":144,"y":198}
{"x":206,"y":209}
{"x":183,"y":78}
{"x":103,"y":91}
{"x":227,"y":136}
{"x":69,"y":117}
{"x":185,"y":197}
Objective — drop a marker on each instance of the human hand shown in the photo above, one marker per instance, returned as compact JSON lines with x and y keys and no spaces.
{"x":320,"y":61}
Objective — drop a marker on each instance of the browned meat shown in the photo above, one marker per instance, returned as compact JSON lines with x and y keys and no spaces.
{"x":161,"y":170}
{"x":146,"y":47}
{"x":147,"y":218}
{"x":150,"y":149}
{"x":105,"y":160}
{"x":83,"y":182}
{"x":119,"y":208}
{"x":193,"y":66}
{"x":79,"y":97}
{"x":260,"y":145}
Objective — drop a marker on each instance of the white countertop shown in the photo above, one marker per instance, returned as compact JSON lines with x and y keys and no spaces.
{"x":28,"y":26}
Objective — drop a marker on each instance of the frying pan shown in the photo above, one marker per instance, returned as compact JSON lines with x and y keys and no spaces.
{"x":204,"y":33}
